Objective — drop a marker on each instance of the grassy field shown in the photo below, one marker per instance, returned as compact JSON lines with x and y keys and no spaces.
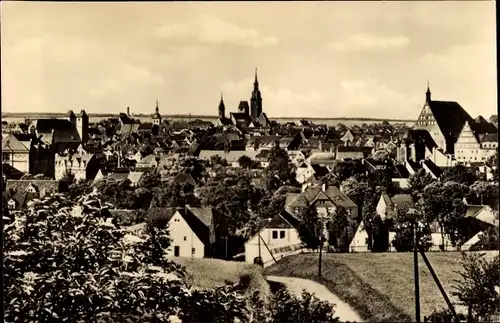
{"x":211,"y":273}
{"x":379,"y":286}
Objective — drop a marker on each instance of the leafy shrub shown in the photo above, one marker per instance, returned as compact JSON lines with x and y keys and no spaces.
{"x":70,"y":262}
{"x":443,"y":316}
{"x":308,"y":308}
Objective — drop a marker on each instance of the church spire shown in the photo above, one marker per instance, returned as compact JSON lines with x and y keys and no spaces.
{"x":428,"y":93}
{"x":157,"y":110}
{"x":256,"y":82}
{"x":222,"y":107}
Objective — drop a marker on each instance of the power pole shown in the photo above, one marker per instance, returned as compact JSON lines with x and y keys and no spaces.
{"x":320,"y":253}
{"x":415,"y":270}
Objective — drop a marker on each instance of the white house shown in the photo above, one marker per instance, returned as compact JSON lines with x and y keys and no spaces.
{"x":304,"y":172}
{"x":278,"y":237}
{"x":360,"y":241}
{"x":192,"y":230}
{"x":388,"y":205}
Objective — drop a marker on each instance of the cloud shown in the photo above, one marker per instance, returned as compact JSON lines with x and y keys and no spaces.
{"x":365,"y":42}
{"x":369,"y":98}
{"x":211,"y":30}
{"x":280,"y":102}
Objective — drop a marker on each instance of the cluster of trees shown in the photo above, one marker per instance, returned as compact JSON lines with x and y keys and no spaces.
{"x":442,"y":205}
{"x":71,"y":262}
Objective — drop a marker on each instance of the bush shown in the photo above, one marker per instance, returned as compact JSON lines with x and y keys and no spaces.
{"x":308,"y":308}
{"x":443,"y":316}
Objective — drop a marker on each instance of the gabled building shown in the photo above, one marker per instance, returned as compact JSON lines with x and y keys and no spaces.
{"x":444,"y":120}
{"x":62,"y":134}
{"x":82,"y":166}
{"x":15,"y":153}
{"x":326,"y":200}
{"x":276,"y":237}
{"x":477,"y":141}
{"x":192,"y":230}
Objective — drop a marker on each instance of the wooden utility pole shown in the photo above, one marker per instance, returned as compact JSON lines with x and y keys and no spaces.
{"x":320,"y":253}
{"x":415,"y":271}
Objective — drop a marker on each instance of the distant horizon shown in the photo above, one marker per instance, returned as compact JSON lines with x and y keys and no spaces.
{"x":178,"y":115}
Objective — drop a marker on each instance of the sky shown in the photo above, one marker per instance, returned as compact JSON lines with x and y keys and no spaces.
{"x":314,"y":59}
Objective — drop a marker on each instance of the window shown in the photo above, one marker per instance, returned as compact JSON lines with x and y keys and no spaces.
{"x":193,"y":251}
{"x":275,"y":234}
{"x":282,"y":234}
{"x":6,"y":157}
{"x":185,"y":238}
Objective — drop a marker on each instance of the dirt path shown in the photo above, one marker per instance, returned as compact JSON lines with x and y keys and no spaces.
{"x":296,"y":285}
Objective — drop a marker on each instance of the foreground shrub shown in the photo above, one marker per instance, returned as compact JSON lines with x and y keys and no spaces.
{"x":307,"y":308}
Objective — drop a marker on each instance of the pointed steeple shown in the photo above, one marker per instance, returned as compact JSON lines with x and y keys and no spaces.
{"x":256,"y":82}
{"x":428,"y":93}
{"x":157,"y":110}
{"x":222,"y":107}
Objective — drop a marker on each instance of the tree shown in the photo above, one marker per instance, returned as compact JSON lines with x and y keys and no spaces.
{"x":245,"y":162}
{"x":404,"y":223}
{"x":338,"y":226}
{"x":310,"y":228}
{"x":418,"y":182}
{"x":459,"y":174}
{"x":444,"y":204}
{"x":72,"y":263}
{"x":476,"y":286}
{"x":346,"y":169}
{"x":484,"y":193}
{"x":280,"y":170}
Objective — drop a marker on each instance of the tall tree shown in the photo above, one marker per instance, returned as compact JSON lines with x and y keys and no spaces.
{"x":311,"y":228}
{"x":338,"y":227}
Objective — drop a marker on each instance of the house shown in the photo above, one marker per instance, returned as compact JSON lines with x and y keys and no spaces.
{"x":192,"y":230}
{"x":481,"y":217}
{"x":15,"y":153}
{"x":326,"y":159}
{"x":477,"y":141}
{"x":326,"y":199}
{"x":20,"y":192}
{"x":353,"y":152}
{"x":135,"y":178}
{"x":277,"y":237}
{"x":82,"y":166}
{"x":149,"y":162}
{"x":388,"y":206}
{"x":359,"y":242}
{"x":304,"y":172}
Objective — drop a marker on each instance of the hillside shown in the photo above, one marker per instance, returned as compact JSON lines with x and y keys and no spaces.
{"x":212,"y":273}
{"x":379,"y":286}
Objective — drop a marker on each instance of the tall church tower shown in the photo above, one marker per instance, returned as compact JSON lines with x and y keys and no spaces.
{"x":256,"y":100}
{"x":82,"y":126}
{"x":222,"y":108}
{"x":157,"y":116}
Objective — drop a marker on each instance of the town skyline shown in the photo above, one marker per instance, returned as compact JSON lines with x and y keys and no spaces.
{"x":186,"y":54}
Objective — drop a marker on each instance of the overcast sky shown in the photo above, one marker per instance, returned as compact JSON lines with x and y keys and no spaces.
{"x":315,"y":59}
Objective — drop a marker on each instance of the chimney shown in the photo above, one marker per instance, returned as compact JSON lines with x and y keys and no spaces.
{"x":128,"y":111}
{"x":323,"y":187}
